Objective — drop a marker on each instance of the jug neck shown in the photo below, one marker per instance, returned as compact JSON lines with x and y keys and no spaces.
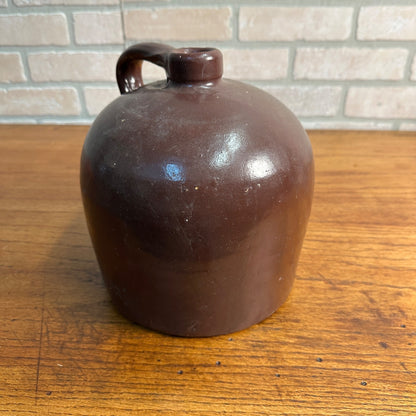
{"x":194,"y":65}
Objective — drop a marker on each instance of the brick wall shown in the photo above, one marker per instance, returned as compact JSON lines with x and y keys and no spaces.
{"x":336,"y":64}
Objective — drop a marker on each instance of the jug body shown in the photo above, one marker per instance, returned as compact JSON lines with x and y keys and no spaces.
{"x":197,"y":192}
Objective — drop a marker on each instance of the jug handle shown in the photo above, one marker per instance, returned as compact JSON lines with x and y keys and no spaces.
{"x":129,"y":65}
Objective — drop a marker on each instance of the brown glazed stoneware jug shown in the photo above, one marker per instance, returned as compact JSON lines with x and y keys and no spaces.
{"x":197,"y":192}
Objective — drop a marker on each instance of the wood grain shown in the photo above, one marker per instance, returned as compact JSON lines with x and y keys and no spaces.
{"x":344,"y":342}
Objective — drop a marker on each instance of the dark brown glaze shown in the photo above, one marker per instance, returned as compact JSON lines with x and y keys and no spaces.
{"x":197,"y":192}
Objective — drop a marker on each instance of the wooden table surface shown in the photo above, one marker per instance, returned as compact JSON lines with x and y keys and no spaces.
{"x":343,"y":343}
